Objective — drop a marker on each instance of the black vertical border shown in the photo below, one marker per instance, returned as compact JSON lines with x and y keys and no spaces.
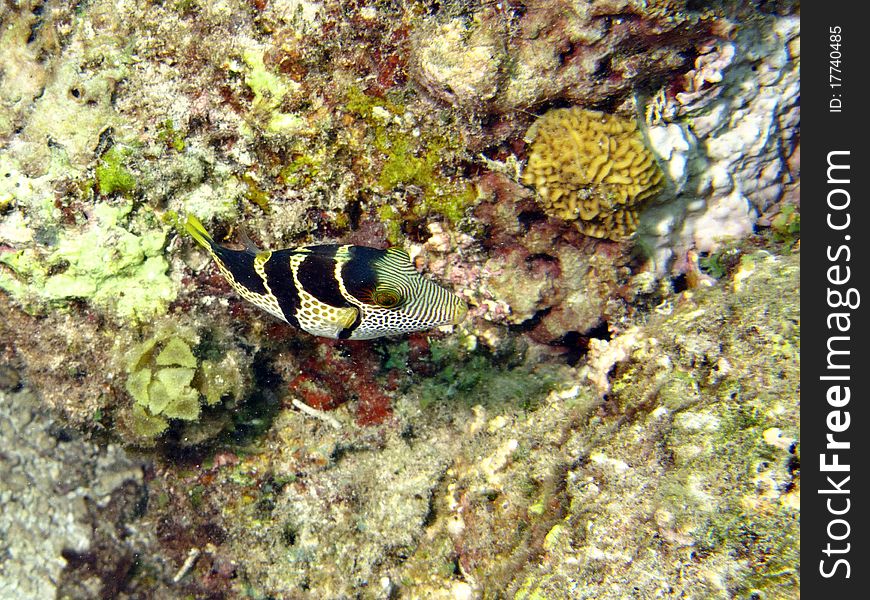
{"x":824,"y":131}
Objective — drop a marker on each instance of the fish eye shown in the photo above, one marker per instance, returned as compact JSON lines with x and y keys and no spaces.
{"x":386,"y":298}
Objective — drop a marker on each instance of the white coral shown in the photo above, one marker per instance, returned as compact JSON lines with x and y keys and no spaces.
{"x":728,"y":140}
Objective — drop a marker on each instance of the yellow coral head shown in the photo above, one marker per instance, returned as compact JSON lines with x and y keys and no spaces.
{"x":592,"y":168}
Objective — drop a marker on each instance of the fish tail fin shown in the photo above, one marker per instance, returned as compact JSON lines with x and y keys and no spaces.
{"x":198,"y":232}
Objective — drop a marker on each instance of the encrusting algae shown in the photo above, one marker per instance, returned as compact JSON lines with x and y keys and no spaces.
{"x":592,"y":168}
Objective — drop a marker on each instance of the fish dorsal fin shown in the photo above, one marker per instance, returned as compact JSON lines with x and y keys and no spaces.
{"x":246,"y":240}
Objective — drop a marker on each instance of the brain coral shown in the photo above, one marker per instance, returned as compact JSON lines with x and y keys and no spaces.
{"x":591,"y":168}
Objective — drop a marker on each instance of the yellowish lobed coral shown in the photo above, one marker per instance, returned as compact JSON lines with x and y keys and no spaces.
{"x":167,"y":381}
{"x":592,"y":168}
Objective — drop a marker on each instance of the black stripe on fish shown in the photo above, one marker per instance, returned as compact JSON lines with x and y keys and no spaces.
{"x":240,"y":264}
{"x":358,"y":273}
{"x":316,"y":275}
{"x":281,"y":282}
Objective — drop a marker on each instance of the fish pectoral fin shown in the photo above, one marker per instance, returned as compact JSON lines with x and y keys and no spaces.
{"x":346,"y":317}
{"x":337,"y":319}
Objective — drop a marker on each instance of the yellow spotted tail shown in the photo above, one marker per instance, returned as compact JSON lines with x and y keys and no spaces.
{"x":198,"y":232}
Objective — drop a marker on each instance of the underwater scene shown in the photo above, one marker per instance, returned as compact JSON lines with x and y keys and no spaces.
{"x":399,"y":299}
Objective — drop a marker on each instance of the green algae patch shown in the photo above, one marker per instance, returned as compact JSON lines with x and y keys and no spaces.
{"x":405,"y":166}
{"x":255,"y":194}
{"x":146,"y":424}
{"x":411,"y":162}
{"x":416,"y":158}
{"x":183,"y":404}
{"x":157,"y":397}
{"x":269,"y":89}
{"x":175,"y":379}
{"x":112,"y":174}
{"x":365,"y":106}
{"x":24,"y":271}
{"x":163,"y":391}
{"x":302,"y":170}
{"x":137,"y":386}
{"x":113,"y":268}
{"x":392,"y":220}
{"x":172,"y":137}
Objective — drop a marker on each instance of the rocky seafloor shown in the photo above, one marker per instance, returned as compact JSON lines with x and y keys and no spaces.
{"x":616,"y":417}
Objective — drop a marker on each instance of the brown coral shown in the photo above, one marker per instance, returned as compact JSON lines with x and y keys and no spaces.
{"x":592,"y":168}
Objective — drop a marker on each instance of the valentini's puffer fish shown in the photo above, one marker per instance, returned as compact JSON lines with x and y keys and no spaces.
{"x":336,"y":291}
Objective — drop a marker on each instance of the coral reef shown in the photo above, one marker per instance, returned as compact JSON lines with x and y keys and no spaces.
{"x":508,"y":57}
{"x":616,"y":415}
{"x":591,"y":168}
{"x":694,"y":447}
{"x":692,"y":457}
{"x":557,"y":284}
